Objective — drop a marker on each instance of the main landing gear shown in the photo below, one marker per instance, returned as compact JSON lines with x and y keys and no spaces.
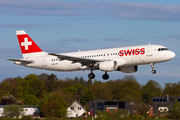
{"x":92,"y":75}
{"x":105,"y":76}
{"x":152,"y":66}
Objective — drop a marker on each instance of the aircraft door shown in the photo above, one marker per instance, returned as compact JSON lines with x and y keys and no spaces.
{"x":149,"y":50}
{"x":106,"y":55}
{"x":44,"y":61}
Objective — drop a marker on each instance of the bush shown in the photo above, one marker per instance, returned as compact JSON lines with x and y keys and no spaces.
{"x":26,"y":118}
{"x":13,"y":111}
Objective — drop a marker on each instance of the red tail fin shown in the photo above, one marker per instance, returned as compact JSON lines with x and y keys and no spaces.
{"x":26,"y":43}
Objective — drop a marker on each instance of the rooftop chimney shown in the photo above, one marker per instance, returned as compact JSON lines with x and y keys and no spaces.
{"x":167,"y":97}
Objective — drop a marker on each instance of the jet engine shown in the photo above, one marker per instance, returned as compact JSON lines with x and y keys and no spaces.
{"x":108,"y":66}
{"x":128,"y":69}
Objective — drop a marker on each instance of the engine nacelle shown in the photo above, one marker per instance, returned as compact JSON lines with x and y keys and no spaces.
{"x":129,"y":69}
{"x":108,"y":66}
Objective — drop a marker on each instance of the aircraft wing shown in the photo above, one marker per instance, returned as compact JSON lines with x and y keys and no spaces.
{"x":23,"y":61}
{"x":83,"y":61}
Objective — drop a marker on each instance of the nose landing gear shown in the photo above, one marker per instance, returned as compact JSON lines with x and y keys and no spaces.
{"x":152,"y":66}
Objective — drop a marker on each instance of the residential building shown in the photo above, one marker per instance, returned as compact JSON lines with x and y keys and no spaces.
{"x":28,"y":111}
{"x":162,"y":104}
{"x":110,"y":105}
{"x":75,"y":110}
{"x":150,"y":112}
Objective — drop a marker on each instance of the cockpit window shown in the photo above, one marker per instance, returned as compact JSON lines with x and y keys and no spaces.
{"x":162,"y":49}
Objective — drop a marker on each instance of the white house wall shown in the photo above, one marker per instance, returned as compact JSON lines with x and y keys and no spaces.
{"x":27,"y":111}
{"x":77,"y":110}
{"x":1,"y":112}
{"x":30,"y":111}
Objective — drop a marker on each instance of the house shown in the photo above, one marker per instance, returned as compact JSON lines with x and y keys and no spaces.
{"x":75,"y":110}
{"x":161,"y":105}
{"x":1,"y":111}
{"x":150,"y":112}
{"x":28,"y":111}
{"x":31,"y":111}
{"x":111,"y":106}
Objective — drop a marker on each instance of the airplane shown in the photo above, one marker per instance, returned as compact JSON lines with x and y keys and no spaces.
{"x":124,"y":59}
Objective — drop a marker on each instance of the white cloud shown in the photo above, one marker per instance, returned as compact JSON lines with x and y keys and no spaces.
{"x":19,"y":25}
{"x":120,"y":10}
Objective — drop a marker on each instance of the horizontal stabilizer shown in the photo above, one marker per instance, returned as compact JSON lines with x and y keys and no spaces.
{"x":24,"y":61}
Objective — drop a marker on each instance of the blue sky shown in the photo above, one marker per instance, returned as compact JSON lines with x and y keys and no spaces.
{"x":69,"y":25}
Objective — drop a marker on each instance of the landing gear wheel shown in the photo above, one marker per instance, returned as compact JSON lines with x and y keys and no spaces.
{"x":153,"y":71}
{"x":91,"y":75}
{"x":105,"y":76}
{"x":152,"y":66}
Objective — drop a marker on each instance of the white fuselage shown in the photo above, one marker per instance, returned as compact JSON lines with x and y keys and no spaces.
{"x":135,"y":55}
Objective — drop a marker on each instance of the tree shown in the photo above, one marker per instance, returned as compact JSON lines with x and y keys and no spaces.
{"x":151,"y":89}
{"x":50,"y":83}
{"x":88,"y":96}
{"x":30,"y":100}
{"x":56,"y":106}
{"x":80,"y":93}
{"x":45,"y":99}
{"x":175,"y":112}
{"x":82,"y":81}
{"x":10,"y":100}
{"x":31,"y":85}
{"x":142,"y":108}
{"x":127,"y":98}
{"x":89,"y":83}
{"x":19,"y":93}
{"x":127,"y":86}
{"x":8,"y":87}
{"x":43,"y":77}
{"x":101,"y":91}
{"x":76,"y":80}
{"x":172,"y":89}
{"x":13,"y":111}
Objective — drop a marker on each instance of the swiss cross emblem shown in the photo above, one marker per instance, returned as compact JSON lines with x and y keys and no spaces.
{"x":26,"y":43}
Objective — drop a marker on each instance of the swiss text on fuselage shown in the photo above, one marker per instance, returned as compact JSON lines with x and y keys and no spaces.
{"x":130,"y":52}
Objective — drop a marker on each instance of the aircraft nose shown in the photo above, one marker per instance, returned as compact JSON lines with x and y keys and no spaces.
{"x":172,"y":55}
